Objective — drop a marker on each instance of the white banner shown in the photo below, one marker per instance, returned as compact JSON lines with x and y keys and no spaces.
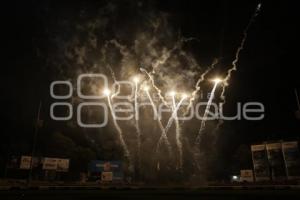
{"x":50,"y":163}
{"x":25,"y":162}
{"x":62,"y":165}
{"x":291,"y":157}
{"x":260,"y":162}
{"x":258,"y":147}
{"x":106,"y":176}
{"x":289,"y":145}
{"x":273,"y":146}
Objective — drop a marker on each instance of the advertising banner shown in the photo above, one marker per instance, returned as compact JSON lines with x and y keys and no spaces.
{"x":276,"y":161}
{"x":102,"y":166}
{"x":246,"y":175}
{"x":62,"y":165}
{"x":106,"y":176}
{"x":99,"y":166}
{"x":291,"y":157}
{"x":50,"y":163}
{"x":25,"y":162}
{"x":260,"y":162}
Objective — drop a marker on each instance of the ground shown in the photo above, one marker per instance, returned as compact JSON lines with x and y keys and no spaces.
{"x":151,"y":193}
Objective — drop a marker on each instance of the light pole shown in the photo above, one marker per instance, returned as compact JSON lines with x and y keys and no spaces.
{"x":34,"y":141}
{"x":297,"y":113}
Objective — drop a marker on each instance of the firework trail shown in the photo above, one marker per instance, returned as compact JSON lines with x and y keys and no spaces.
{"x":163,"y":137}
{"x":120,"y":132}
{"x":155,"y":87}
{"x":177,"y":126}
{"x":178,"y":142}
{"x":174,"y":102}
{"x":174,"y":114}
{"x":197,"y":86}
{"x":198,"y":139}
{"x":137,"y":127}
{"x":178,"y":131}
{"x":112,"y":73}
{"x":196,"y":151}
{"x":235,"y":61}
{"x":115,"y":81}
{"x":124,"y":51}
{"x":165,"y":56}
{"x":237,"y":54}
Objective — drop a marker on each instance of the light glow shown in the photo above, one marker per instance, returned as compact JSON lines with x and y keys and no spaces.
{"x":136,"y":79}
{"x":217,"y":80}
{"x":146,"y":88}
{"x":106,"y":92}
{"x":172,"y":93}
{"x":184,"y":95}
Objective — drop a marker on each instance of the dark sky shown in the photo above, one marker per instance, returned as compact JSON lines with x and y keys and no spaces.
{"x":267,"y":69}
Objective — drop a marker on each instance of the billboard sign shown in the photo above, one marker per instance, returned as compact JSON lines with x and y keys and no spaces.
{"x":276,"y":161}
{"x":102,"y":166}
{"x":106,"y":176}
{"x":260,"y":162}
{"x":25,"y":162}
{"x":50,"y":163}
{"x":246,"y":175}
{"x":99,"y":166}
{"x":62,"y":165}
{"x":291,"y":157}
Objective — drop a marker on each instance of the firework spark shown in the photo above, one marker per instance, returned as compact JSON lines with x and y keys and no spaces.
{"x":155,"y":87}
{"x":171,"y":119}
{"x":237,"y":54}
{"x":202,"y":127}
{"x":235,"y":61}
{"x":178,"y":128}
{"x":163,"y":137}
{"x":197,"y":86}
{"x":137,"y":127}
{"x":118,"y":128}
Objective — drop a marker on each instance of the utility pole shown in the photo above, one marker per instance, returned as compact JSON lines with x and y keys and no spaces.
{"x":298,"y":104}
{"x":34,"y":141}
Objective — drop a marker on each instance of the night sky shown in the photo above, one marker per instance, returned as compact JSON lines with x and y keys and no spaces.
{"x":267,"y":68}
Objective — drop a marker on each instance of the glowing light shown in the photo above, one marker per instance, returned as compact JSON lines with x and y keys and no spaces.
{"x":146,"y":88}
{"x":217,"y":80}
{"x":106,"y":92}
{"x":184,"y":95}
{"x":136,"y":79}
{"x":172,"y":93}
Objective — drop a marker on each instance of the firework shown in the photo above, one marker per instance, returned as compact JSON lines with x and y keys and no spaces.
{"x":163,"y":137}
{"x":118,"y":128}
